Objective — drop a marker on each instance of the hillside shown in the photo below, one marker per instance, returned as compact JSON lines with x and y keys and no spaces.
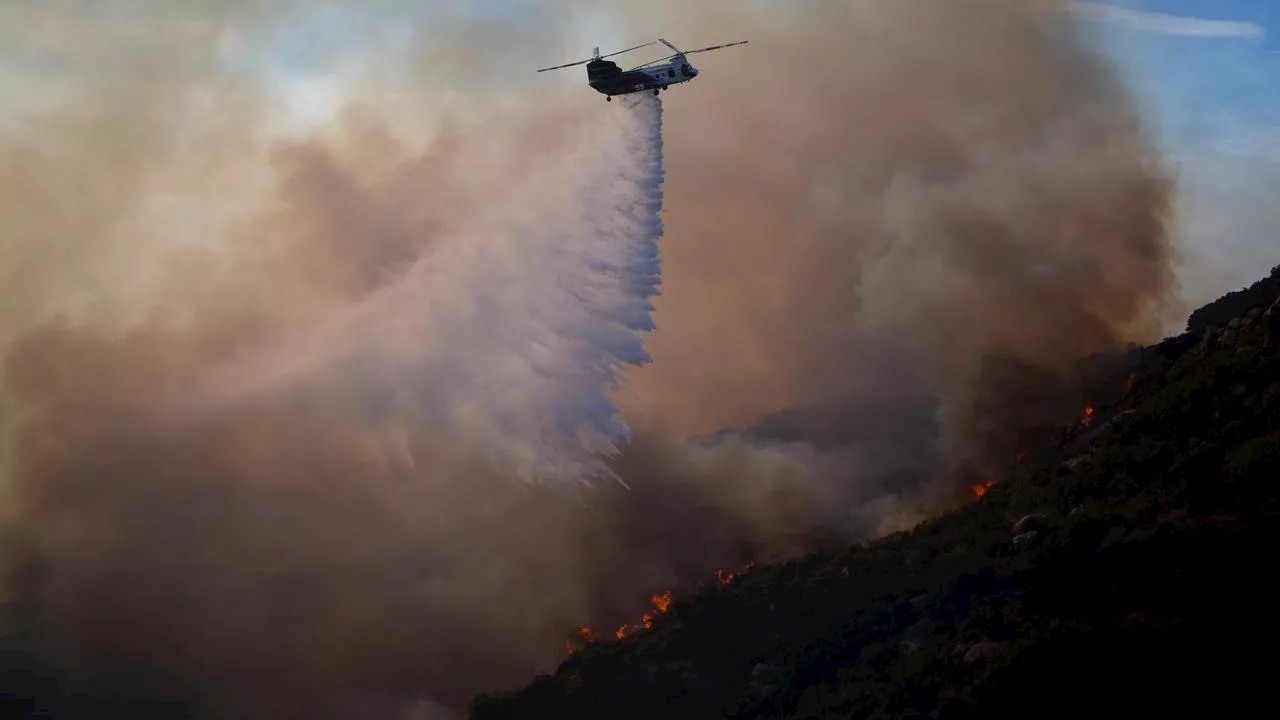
{"x":1121,"y":571}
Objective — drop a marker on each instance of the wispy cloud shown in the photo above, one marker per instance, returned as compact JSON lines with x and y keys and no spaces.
{"x":1260,"y":144}
{"x":1168,"y":24}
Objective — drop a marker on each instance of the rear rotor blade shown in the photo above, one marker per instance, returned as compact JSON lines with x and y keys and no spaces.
{"x":716,"y":47}
{"x":566,"y":65}
{"x":579,"y":62}
{"x":629,"y":49}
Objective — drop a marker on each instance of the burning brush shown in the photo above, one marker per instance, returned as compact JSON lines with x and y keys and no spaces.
{"x":659,"y":603}
{"x":981,"y":488}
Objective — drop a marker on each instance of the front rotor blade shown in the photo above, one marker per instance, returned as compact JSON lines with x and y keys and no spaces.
{"x":653,"y":62}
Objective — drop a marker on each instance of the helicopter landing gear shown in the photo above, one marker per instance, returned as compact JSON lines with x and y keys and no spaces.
{"x":655,"y":92}
{"x":608,"y":98}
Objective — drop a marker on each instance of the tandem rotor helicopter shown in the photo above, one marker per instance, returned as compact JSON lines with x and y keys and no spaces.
{"x":608,"y":79}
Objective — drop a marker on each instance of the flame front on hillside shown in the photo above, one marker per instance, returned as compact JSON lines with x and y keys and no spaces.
{"x":661,"y":602}
{"x":726,"y":578}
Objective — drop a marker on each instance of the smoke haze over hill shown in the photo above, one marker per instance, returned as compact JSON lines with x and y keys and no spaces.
{"x":268,"y":391}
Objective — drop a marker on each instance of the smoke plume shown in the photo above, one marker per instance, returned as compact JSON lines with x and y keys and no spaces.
{"x":272,"y":383}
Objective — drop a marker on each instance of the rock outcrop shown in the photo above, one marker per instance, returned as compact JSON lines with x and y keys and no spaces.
{"x":1220,"y":312}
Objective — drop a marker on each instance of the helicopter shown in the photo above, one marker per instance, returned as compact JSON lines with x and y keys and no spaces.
{"x":608,"y":79}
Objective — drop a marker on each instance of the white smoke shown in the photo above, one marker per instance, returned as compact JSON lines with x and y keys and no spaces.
{"x":514,"y":332}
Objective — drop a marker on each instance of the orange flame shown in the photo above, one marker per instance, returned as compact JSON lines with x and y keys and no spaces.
{"x":661,"y":603}
{"x":1128,"y":384}
{"x":1088,"y":415}
{"x":980,"y":489}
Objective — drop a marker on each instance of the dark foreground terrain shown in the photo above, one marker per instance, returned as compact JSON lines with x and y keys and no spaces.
{"x":1122,"y":571}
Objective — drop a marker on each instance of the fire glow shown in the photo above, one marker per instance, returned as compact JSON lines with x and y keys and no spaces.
{"x":1087,"y":420}
{"x":981,"y":488}
{"x":726,"y":578}
{"x":660,"y":602}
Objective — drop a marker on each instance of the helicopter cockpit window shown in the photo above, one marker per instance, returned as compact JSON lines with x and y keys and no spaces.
{"x":686,"y":69}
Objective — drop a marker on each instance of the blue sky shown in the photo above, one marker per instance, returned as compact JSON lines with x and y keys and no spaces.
{"x":1207,"y":74}
{"x":1221,"y":86}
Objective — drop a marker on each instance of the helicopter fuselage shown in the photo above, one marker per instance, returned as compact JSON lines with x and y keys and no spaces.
{"x":608,"y":79}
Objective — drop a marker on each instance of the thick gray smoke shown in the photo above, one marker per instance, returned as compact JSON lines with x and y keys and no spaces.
{"x":270,"y":381}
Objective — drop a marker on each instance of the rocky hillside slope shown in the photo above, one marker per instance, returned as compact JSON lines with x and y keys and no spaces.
{"x":1123,"y":570}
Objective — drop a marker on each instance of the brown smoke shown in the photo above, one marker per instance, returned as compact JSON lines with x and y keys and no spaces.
{"x":306,"y":549}
{"x":916,"y":187}
{"x":865,"y":207}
